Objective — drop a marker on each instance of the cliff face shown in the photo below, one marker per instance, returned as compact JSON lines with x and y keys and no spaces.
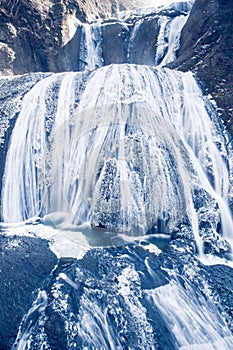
{"x":28,"y":32}
{"x":32,"y":33}
{"x":206,"y":49}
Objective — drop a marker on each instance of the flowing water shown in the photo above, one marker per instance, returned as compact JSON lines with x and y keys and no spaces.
{"x":183,"y":312}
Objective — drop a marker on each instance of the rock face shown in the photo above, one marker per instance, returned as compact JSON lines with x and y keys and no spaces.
{"x":32,"y":33}
{"x":25,"y":264}
{"x":27,"y":35}
{"x":206,"y":49}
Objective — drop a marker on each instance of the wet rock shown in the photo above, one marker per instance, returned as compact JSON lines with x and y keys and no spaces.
{"x":92,"y":302}
{"x":114,"y":51}
{"x":220,"y":279}
{"x":143,"y":48}
{"x":105,"y":297}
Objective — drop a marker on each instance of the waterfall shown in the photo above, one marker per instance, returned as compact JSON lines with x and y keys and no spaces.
{"x":168,"y":39}
{"x":23,"y":339}
{"x":43,"y":110}
{"x":124,"y":169}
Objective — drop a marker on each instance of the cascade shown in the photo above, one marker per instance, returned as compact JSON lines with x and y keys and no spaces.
{"x":169,"y":299}
{"x":168,"y":39}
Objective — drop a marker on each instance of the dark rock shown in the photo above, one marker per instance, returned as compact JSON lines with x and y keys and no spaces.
{"x":25,"y":263}
{"x":143,"y":49}
{"x":220,"y":279}
{"x":67,"y":61}
{"x":90,"y":287}
{"x":29,"y":36}
{"x":114,"y":51}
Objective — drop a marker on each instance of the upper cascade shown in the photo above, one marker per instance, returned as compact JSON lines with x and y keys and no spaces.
{"x":147,"y":36}
{"x":127,"y":148}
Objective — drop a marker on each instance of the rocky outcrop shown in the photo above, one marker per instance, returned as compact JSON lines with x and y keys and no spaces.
{"x":115,"y":285}
{"x":25,"y":264}
{"x":134,"y":43}
{"x":206,"y":49}
{"x":28,"y":33}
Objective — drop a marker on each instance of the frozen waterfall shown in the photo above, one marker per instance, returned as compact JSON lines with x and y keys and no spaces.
{"x":117,"y":177}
